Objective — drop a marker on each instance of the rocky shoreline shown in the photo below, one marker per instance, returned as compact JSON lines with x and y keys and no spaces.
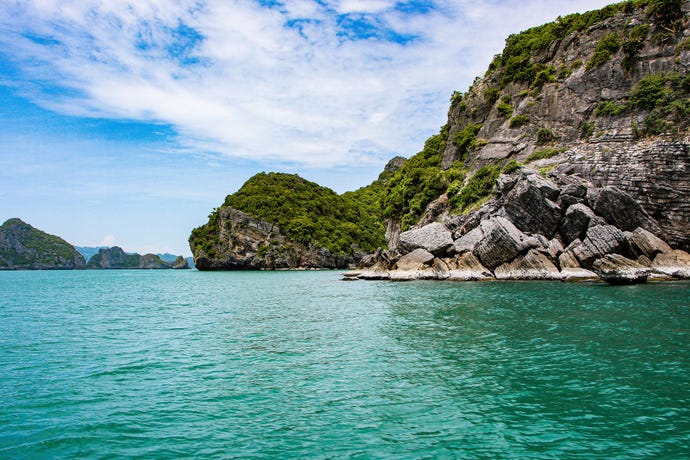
{"x":535,"y":228}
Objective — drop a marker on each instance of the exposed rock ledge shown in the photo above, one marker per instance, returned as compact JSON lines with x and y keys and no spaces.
{"x":536,"y":229}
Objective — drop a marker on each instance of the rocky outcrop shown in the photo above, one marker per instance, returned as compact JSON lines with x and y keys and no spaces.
{"x":180,"y":263}
{"x":246,"y":243}
{"x":488,"y":243}
{"x":115,"y":258}
{"x":23,"y":247}
{"x":434,"y":238}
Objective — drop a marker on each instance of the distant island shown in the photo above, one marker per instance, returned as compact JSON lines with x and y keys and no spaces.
{"x":23,"y":247}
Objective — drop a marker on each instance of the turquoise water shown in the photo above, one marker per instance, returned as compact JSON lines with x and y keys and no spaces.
{"x":185,"y":364}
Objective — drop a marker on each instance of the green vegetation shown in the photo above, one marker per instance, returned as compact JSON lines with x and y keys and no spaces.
{"x":546,"y":75}
{"x":586,"y":130}
{"x":39,"y":248}
{"x":466,"y":140}
{"x":543,"y":154}
{"x":668,"y":14}
{"x":418,"y":182}
{"x":491,"y":95}
{"x":505,"y":109}
{"x":605,"y":49}
{"x":206,"y":237}
{"x":664,"y":96}
{"x":634,"y":42}
{"x":518,"y":120}
{"x":517,"y":63}
{"x":478,"y":187}
{"x":545,"y":136}
{"x":610,"y":109}
{"x":311,"y":214}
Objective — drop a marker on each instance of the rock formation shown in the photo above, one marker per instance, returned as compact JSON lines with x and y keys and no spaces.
{"x":569,"y":243}
{"x":23,"y":247}
{"x":115,"y":258}
{"x":247,"y":243}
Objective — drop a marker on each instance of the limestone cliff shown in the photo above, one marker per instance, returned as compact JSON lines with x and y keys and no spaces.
{"x":601,"y":96}
{"x":23,"y":247}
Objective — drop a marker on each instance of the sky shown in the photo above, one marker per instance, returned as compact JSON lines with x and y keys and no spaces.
{"x":126,"y":122}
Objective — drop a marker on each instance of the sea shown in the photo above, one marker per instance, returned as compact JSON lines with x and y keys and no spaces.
{"x":279,"y":365}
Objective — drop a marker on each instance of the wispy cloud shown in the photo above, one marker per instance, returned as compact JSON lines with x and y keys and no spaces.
{"x":318,"y":83}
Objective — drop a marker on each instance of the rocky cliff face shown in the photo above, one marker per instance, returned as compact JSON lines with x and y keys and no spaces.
{"x":247,"y":243}
{"x":23,"y":247}
{"x":605,"y":94}
{"x":115,"y":258}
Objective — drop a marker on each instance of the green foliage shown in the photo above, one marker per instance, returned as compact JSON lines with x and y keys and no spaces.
{"x":491,"y":95}
{"x":311,"y":214}
{"x":518,"y":120}
{"x":478,"y":187}
{"x":545,"y":136}
{"x":651,"y":91}
{"x":456,"y":98}
{"x":610,"y":109}
{"x":586,"y":130}
{"x":511,"y":167}
{"x":546,"y":75}
{"x":505,"y":109}
{"x":634,"y":42}
{"x":668,"y":14}
{"x":543,"y":154}
{"x":607,"y":47}
{"x":683,"y":46}
{"x":465,"y":140}
{"x":305,"y":212}
{"x":664,"y":96}
{"x":517,"y":60}
{"x":564,"y":73}
{"x":418,"y":182}
{"x":206,"y":236}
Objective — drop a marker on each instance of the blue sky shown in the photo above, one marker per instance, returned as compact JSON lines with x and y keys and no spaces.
{"x":128,"y":122}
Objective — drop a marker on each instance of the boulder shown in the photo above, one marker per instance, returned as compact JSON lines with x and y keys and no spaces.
{"x":616,"y":269}
{"x":675,"y":263}
{"x":466,"y":267}
{"x":435,"y":238}
{"x":643,"y":242}
{"x":571,"y":194}
{"x":501,"y":243}
{"x":567,"y":259}
{"x":530,"y":206}
{"x":468,"y":241}
{"x":532,"y":266}
{"x":600,"y":241}
{"x":620,"y":209}
{"x":575,"y":222}
{"x":414,"y":260}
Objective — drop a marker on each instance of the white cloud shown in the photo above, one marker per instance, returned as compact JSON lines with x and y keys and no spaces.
{"x":108,"y":240}
{"x":255,"y":87}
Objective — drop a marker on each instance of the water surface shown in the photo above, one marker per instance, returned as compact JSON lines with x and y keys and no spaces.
{"x":174,"y":364}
